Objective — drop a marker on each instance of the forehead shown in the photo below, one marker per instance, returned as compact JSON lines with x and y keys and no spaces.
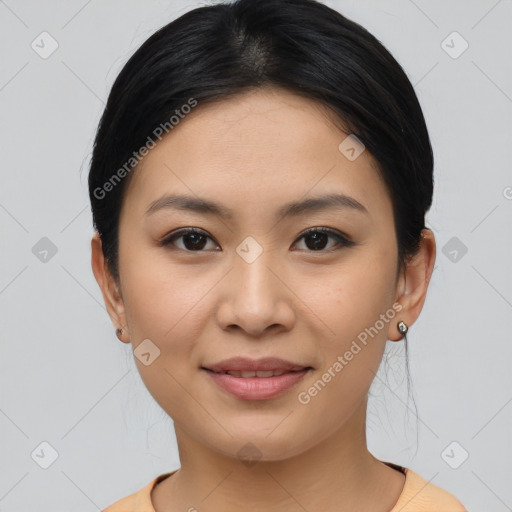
{"x":256,"y":150}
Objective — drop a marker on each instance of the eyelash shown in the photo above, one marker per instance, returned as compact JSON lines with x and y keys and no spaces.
{"x":342,"y":240}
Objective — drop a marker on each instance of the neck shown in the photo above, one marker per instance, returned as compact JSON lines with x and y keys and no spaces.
{"x":338,"y":473}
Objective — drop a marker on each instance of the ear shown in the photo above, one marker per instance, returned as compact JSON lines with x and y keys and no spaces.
{"x":413,"y":283}
{"x":109,"y":287}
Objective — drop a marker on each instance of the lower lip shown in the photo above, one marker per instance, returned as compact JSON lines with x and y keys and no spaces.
{"x":257,"y":388}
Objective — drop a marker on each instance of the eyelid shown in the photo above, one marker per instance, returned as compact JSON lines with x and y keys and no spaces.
{"x":167,"y":240}
{"x":343,"y":239}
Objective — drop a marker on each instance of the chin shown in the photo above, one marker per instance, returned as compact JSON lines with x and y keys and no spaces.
{"x":260,"y":446}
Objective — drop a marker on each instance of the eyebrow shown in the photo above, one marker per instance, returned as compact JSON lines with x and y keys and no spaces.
{"x":294,"y":209}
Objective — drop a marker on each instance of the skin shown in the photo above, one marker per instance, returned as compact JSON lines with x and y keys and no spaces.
{"x":252,"y":154}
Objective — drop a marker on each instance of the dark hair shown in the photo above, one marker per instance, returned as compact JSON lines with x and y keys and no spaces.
{"x":214,"y":52}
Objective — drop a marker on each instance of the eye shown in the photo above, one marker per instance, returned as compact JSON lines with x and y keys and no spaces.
{"x":194,"y":240}
{"x":319,"y":236}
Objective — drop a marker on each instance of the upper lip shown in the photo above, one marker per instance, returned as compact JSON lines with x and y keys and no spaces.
{"x":246,"y":364}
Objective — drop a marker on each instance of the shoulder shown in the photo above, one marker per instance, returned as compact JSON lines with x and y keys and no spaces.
{"x":139,"y":501}
{"x":419,"y":495}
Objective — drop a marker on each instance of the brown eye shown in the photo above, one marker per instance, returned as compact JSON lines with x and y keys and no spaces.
{"x":193,"y":239}
{"x":317,"y":238}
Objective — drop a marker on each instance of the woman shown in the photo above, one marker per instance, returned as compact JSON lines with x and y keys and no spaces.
{"x":259,"y":184}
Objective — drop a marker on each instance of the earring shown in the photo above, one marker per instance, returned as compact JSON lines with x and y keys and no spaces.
{"x":402,"y":328}
{"x":119,"y":331}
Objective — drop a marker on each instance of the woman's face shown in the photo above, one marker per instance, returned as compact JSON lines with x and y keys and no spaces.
{"x":251,"y":284}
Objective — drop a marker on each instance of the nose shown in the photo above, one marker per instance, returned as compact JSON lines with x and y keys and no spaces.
{"x":255,"y":297}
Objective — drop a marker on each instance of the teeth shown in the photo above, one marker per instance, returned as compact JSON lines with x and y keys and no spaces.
{"x":262,"y":373}
{"x":259,"y":373}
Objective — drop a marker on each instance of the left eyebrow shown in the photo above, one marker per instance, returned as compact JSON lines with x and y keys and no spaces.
{"x":314,"y":204}
{"x":293,"y":209}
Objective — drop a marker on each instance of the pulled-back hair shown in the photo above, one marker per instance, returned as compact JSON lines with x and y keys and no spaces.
{"x":214,"y":52}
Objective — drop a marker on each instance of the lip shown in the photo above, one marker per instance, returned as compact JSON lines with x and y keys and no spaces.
{"x":256,"y":388}
{"x":247,"y":364}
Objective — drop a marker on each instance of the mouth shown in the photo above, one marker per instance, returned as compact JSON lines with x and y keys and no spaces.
{"x":257,"y":385}
{"x":247,"y":367}
{"x":248,"y":374}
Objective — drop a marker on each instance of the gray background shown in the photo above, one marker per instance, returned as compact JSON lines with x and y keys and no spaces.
{"x":65,"y":378}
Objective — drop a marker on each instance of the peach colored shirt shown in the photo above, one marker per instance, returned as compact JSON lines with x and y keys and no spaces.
{"x":418,"y":495}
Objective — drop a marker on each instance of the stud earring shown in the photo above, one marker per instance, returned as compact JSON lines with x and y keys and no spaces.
{"x":402,"y":328}
{"x":119,"y":332}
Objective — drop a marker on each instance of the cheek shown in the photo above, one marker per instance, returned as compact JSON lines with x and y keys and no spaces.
{"x":354,"y":295}
{"x":351,"y":306}
{"x":164,"y":305}
{"x":352,"y":309}
{"x":159,"y":297}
